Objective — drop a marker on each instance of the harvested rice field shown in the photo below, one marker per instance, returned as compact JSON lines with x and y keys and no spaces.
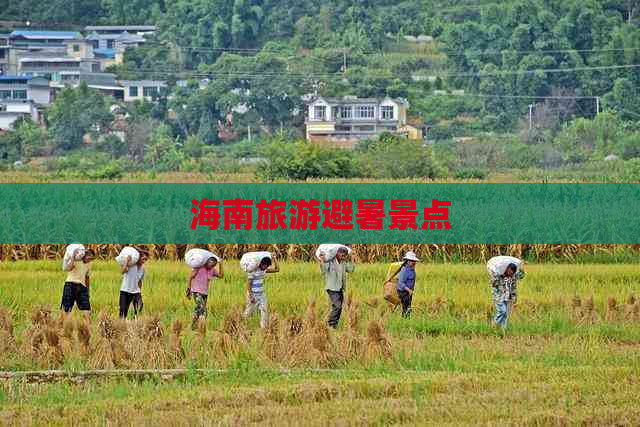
{"x":571,"y":354}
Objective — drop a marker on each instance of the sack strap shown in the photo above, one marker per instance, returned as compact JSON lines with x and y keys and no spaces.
{"x":395,"y":274}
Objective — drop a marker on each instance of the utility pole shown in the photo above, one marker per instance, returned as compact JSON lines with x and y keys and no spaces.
{"x":344,"y":61}
{"x":249,"y":132}
{"x":597,"y":105}
{"x":530,"y":116}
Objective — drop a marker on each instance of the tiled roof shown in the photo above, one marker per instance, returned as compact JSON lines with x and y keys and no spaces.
{"x":142,"y":83}
{"x":120,"y":28}
{"x":124,"y":37}
{"x":354,"y":100}
{"x":6,"y":78}
{"x":41,"y":35}
{"x":50,"y":59}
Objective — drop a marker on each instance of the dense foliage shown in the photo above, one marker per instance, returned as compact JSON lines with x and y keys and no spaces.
{"x":532,"y":72}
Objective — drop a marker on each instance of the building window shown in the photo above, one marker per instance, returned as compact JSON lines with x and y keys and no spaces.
{"x":110,"y":44}
{"x":5,"y":94}
{"x":320,"y":112}
{"x":76,"y":48}
{"x":346,"y":112}
{"x":2,"y":53}
{"x":365,"y":112}
{"x":95,"y":44}
{"x":133,"y":91}
{"x":150,"y":91}
{"x":387,"y":112}
{"x":20,"y":94}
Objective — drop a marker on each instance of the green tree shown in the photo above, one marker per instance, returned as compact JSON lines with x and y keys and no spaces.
{"x":246,"y":22}
{"x":624,"y":100}
{"x":130,"y":12}
{"x":162,"y":153}
{"x":29,"y":138}
{"x":77,"y":112}
{"x":196,"y":112}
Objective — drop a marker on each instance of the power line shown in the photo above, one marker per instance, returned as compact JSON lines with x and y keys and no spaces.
{"x":339,"y":75}
{"x":383,"y":53}
{"x":491,"y":96}
{"x":542,"y":70}
{"x":541,"y":51}
{"x":627,"y":111}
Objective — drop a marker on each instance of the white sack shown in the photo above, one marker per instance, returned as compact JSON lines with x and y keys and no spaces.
{"x":330,"y":250}
{"x":196,"y":258}
{"x":74,"y":249}
{"x":251,"y":260}
{"x":496,"y":266}
{"x":128,"y":251}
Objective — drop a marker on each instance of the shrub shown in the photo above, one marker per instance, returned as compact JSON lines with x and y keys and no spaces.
{"x":471,"y":173}
{"x":111,"y":171}
{"x":193,"y":147}
{"x":631,"y":171}
{"x":395,"y":157}
{"x":92,"y":166}
{"x":629,"y":146}
{"x":113,"y":145}
{"x":582,"y":139}
{"x":302,"y":160}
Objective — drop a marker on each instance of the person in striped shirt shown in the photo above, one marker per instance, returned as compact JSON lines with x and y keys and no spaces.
{"x":504,"y":290}
{"x":256,"y":298}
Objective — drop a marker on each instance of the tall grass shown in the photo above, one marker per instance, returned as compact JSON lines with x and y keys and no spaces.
{"x":451,"y":300}
{"x":363,"y":253}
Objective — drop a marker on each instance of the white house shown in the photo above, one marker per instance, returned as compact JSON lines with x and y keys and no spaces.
{"x":346,"y":121}
{"x":10,"y":111}
{"x":137,"y":90}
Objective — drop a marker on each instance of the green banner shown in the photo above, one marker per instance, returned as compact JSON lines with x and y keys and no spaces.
{"x":366,"y":213}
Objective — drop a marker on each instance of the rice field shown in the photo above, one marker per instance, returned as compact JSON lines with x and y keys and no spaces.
{"x":570,"y":355}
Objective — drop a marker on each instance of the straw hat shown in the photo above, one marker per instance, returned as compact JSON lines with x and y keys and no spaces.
{"x":411,"y":256}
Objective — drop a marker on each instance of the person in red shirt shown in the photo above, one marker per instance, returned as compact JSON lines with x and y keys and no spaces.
{"x":198,"y":287}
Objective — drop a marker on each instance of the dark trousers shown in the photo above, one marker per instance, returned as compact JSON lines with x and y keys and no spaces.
{"x":405,"y":299}
{"x":125,"y":302}
{"x":336,"y":298}
{"x":75,"y":293}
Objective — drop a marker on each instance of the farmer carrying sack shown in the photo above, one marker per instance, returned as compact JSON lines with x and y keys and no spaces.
{"x":196,"y":257}
{"x":251,"y":260}
{"x":130,"y":252}
{"x":391,"y":284}
{"x":73,"y":253}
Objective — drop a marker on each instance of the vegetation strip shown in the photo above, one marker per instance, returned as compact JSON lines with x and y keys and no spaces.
{"x":58,"y":374}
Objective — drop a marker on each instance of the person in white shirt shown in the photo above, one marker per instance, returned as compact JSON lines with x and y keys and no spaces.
{"x":256,"y":298}
{"x":131,"y":289}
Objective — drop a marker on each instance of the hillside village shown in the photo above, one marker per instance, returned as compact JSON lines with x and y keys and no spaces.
{"x":37,"y":64}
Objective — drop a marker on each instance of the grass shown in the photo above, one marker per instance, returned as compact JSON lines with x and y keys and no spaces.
{"x":534,"y":175}
{"x":560,"y":362}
